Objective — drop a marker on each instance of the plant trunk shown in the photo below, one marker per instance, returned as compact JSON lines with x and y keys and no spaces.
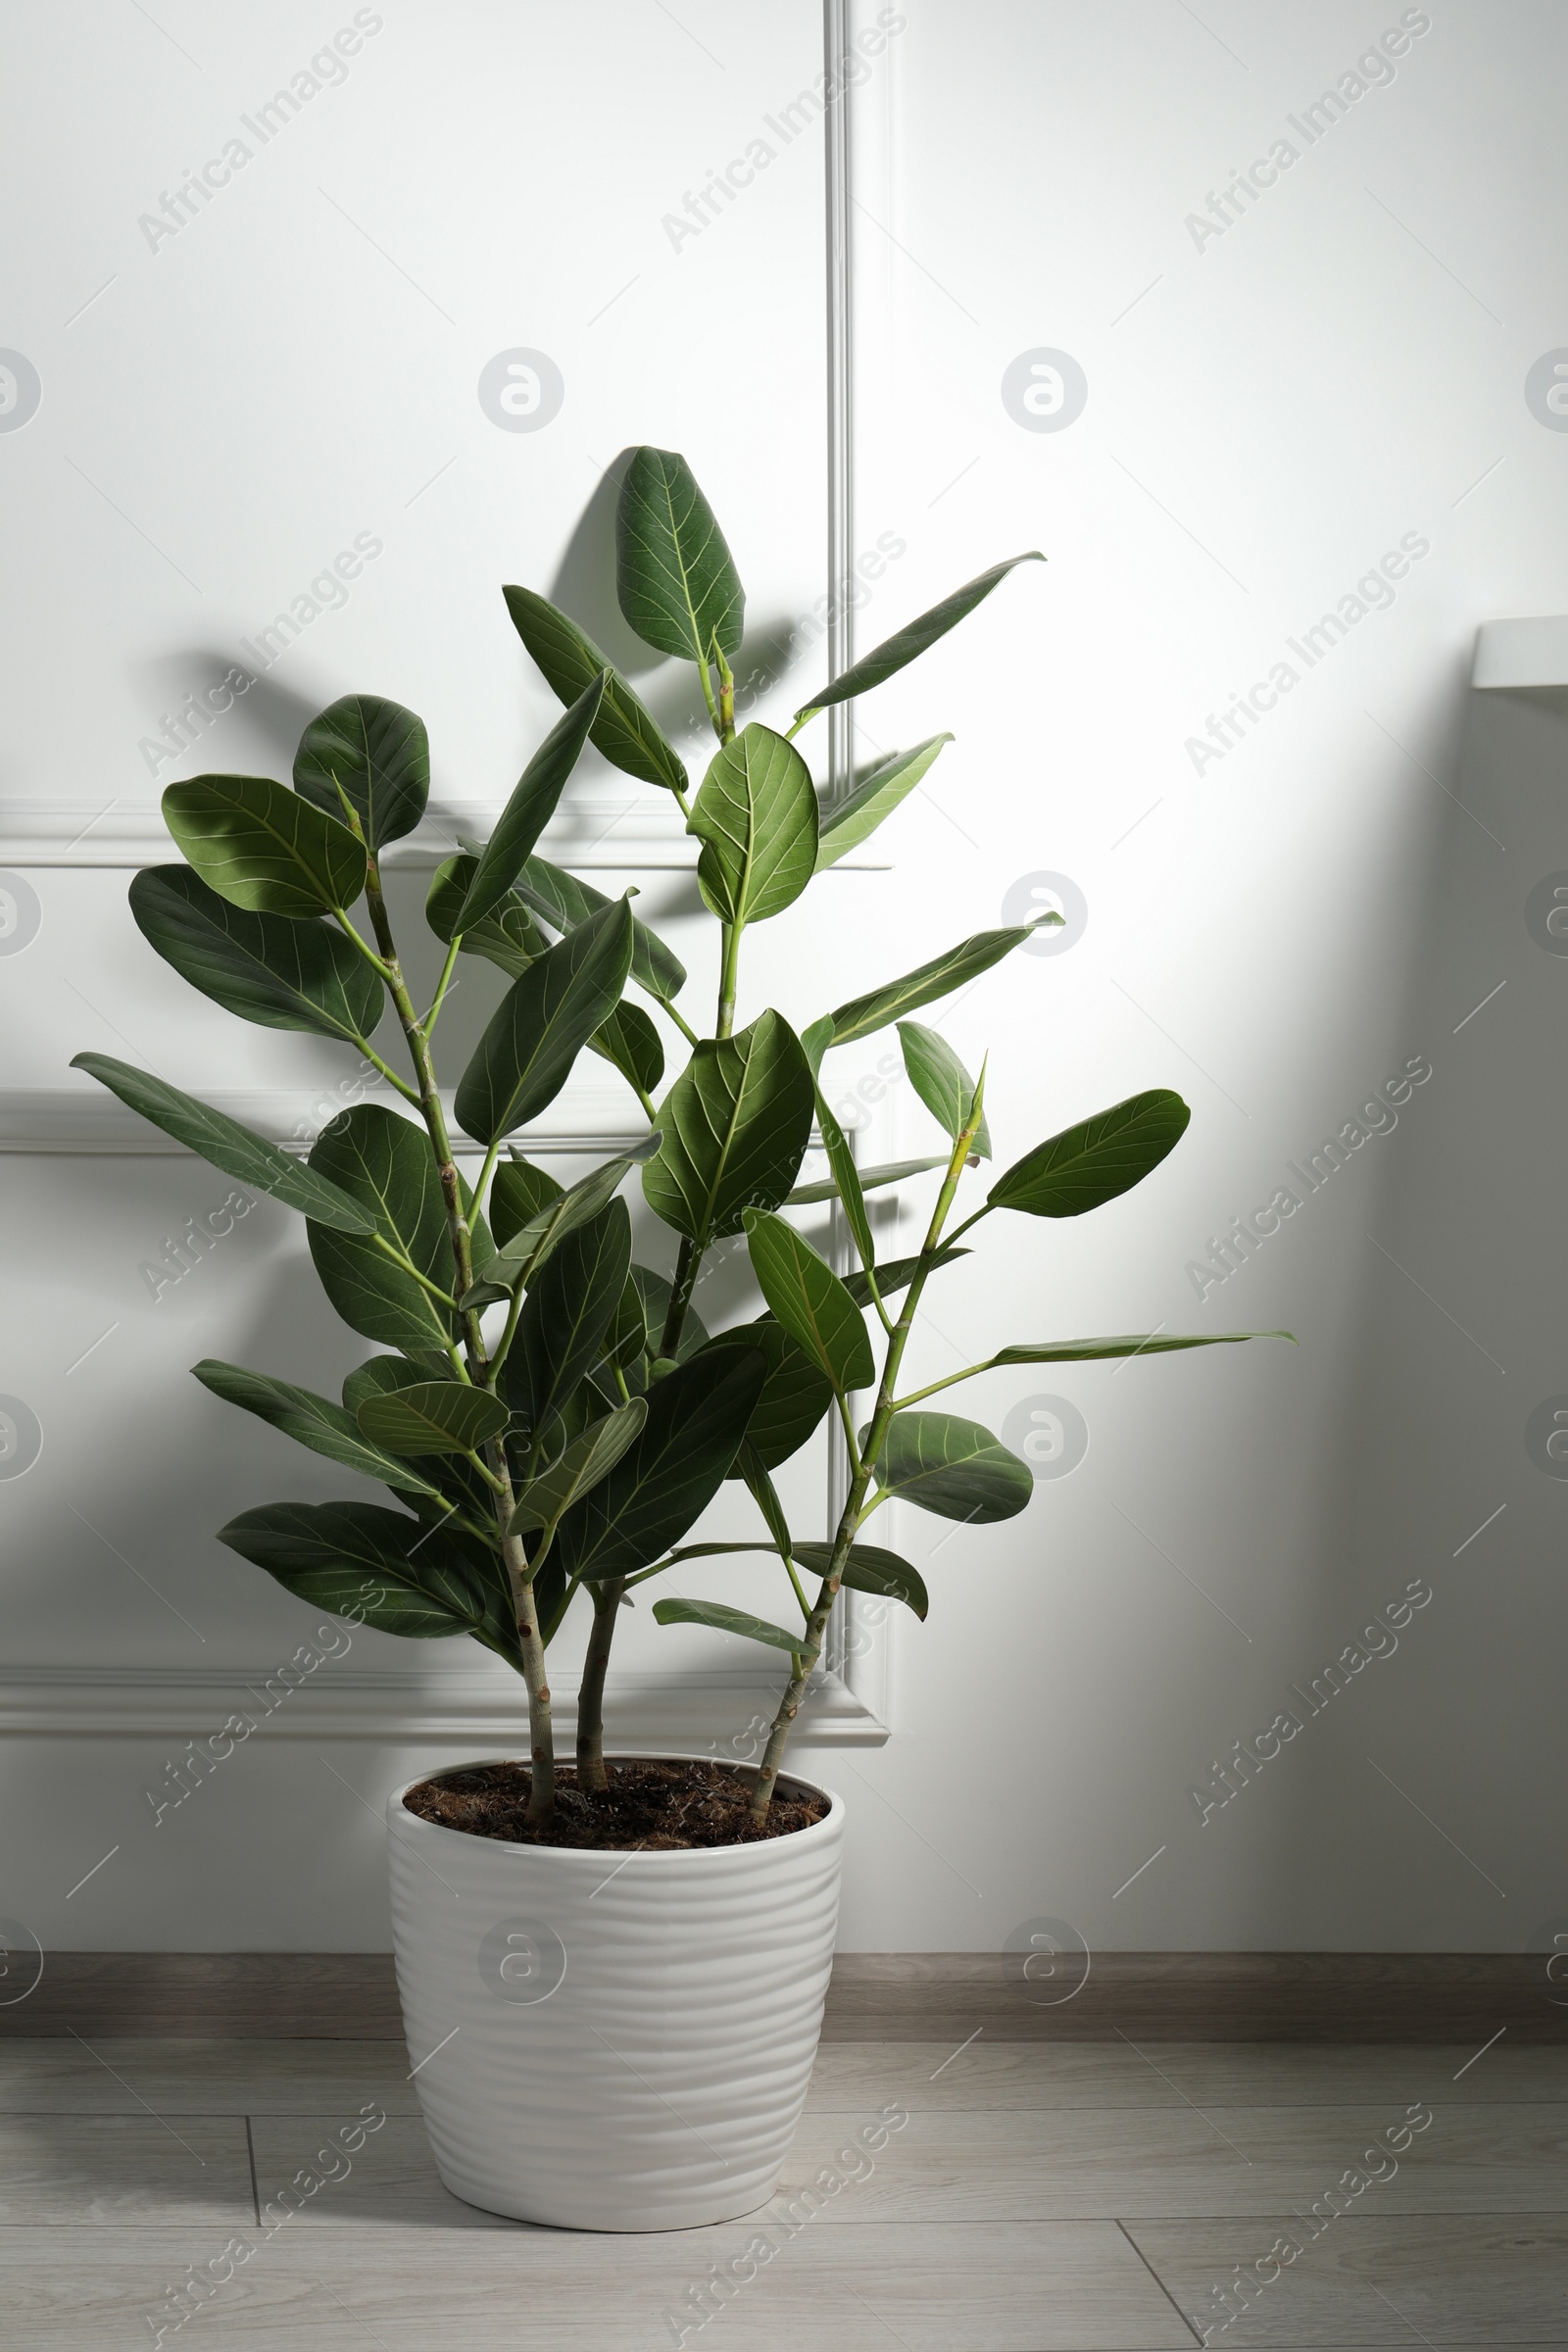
{"x":590,"y":1773}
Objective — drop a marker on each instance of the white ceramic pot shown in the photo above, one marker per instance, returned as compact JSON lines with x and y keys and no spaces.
{"x":612,"y":2040}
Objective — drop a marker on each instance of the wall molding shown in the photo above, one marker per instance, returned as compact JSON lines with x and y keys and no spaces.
{"x":1457,"y":1999}
{"x":86,"y":1118}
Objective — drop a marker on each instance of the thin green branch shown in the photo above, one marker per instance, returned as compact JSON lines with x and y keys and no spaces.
{"x":410,"y":1094}
{"x":442,"y":985}
{"x":406,"y":1265}
{"x":385,"y":967}
{"x":915,"y":1394}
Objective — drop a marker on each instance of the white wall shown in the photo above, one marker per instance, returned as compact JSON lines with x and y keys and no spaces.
{"x":1275,"y":932}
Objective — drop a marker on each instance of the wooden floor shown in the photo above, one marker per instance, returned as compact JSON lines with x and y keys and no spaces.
{"x":1085,"y":2196}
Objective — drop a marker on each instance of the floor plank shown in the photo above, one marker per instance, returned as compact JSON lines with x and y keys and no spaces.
{"x":117,"y":2168}
{"x":118,"y":2077}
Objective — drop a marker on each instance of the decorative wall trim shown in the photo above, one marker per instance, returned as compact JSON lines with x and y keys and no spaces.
{"x":1460,"y":1999}
{"x":479,"y":1709}
{"x":85,"y":1118}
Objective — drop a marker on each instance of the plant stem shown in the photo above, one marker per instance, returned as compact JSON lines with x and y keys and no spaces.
{"x":726,"y":980}
{"x":410,"y":1094}
{"x":590,"y":1773}
{"x":816,"y":1626}
{"x":442,"y":985}
{"x":520,"y":1573}
{"x":680,"y":1298}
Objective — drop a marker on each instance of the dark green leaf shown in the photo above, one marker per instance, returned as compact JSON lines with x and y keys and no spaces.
{"x":529,"y":1246}
{"x":795,"y":1395}
{"x":816,"y":1041}
{"x":581,"y":1466}
{"x":928,"y":981}
{"x":378,"y":1566}
{"x":543,"y":1022}
{"x":697,"y":1416}
{"x":381,"y":754}
{"x":384,"y":1165}
{"x":809,"y":1300}
{"x":953,"y":1467}
{"x":228,"y":1146}
{"x":1130,"y":1342}
{"x":941,"y":1083}
{"x":532,"y":806}
{"x":674,"y":576}
{"x":846,"y":1182}
{"x":755,"y":817}
{"x":281,"y":974}
{"x":629,"y":1039}
{"x":565,"y":901}
{"x":569,"y":1307}
{"x":908,"y":642}
{"x":628,"y":1336}
{"x":896,"y":1276}
{"x":871,"y":1180}
{"x":520,"y":1192}
{"x":870,"y":1569}
{"x":735,"y":1124}
{"x":433,"y":1416}
{"x":509,"y":937}
{"x":851,"y":820}
{"x":724,"y":1620}
{"x":570,"y":661}
{"x":655,"y":1294}
{"x":751,"y":1467}
{"x":260,"y":845}
{"x":1096,"y":1161}
{"x":379,"y":1377}
{"x":311,"y":1420}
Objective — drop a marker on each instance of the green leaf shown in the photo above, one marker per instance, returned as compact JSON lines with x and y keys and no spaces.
{"x":529,"y":1246}
{"x":795,"y":1395}
{"x":653,"y":1296}
{"x":520,"y":1192}
{"x":543,"y":1022}
{"x":281,"y":974}
{"x":507,"y":935}
{"x":228,"y":1146}
{"x":433,"y":1416}
{"x":816,"y":1041}
{"x":928,"y":981}
{"x":565,"y":901}
{"x":311,"y":1420}
{"x":847,"y":1181}
{"x":532,"y":804}
{"x":870,"y":1569}
{"x":1092,"y":1162}
{"x":750,"y":1466}
{"x":735,"y":1124}
{"x":568,"y":1309}
{"x":674,"y":576}
{"x":383,"y":1163}
{"x":896,"y":1276}
{"x":809,"y":1300}
{"x":628,"y":1336}
{"x":755,"y":817}
{"x":381,"y":754}
{"x":379,"y":1377}
{"x":697,"y":1416}
{"x":871,"y":1180}
{"x":855,"y":818}
{"x":908,"y":642}
{"x":725,"y":1620}
{"x":585,"y":1462}
{"x":629,"y":1039}
{"x":262,"y":847}
{"x":941,"y":1083}
{"x":953,"y":1467}
{"x":1129,"y":1343}
{"x":624,"y":731}
{"x":380,"y":1565}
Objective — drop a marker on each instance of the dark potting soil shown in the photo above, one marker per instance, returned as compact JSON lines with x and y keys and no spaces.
{"x":649,"y":1806}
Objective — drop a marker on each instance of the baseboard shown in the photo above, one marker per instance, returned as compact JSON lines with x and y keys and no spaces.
{"x":1450,"y":1998}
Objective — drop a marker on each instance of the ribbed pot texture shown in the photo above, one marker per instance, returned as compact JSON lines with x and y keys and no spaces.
{"x":612,"y":2040}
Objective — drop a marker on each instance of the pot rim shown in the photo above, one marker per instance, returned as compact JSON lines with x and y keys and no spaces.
{"x":831,"y":1823}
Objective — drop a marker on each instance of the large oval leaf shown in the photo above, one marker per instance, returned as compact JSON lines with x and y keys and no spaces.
{"x":384,"y":1165}
{"x":953,"y":1467}
{"x":870,"y":1569}
{"x":755,"y":817}
{"x":381,"y":754}
{"x":568,"y":1309}
{"x":581,"y":1466}
{"x":529,"y":1245}
{"x":507,"y":935}
{"x":543,"y":1022}
{"x":238,"y":1151}
{"x":941,"y":1083}
{"x":735,"y":1126}
{"x":861,"y":1015}
{"x":908,"y":642}
{"x":532,"y":804}
{"x":1096,"y":1161}
{"x":846,"y":823}
{"x":809,"y":1300}
{"x":384,"y":1567}
{"x":281,"y":974}
{"x":697,"y":1416}
{"x":795,"y":1395}
{"x":519,"y":1192}
{"x":624,"y":731}
{"x":433,"y":1416}
{"x":564,"y":901}
{"x":258,"y":844}
{"x":723,"y":1619}
{"x":311,"y":1420}
{"x":674,"y":575}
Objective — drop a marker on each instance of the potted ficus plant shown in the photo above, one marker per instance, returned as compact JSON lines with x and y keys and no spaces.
{"x":611,"y":1971}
